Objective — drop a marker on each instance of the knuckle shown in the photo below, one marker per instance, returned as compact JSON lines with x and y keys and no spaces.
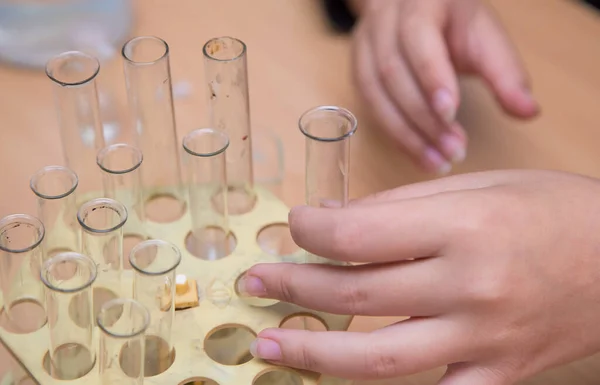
{"x":389,"y":66}
{"x":346,"y":237}
{"x":286,"y":286}
{"x":379,"y":364}
{"x":306,"y":360}
{"x":351,"y":296}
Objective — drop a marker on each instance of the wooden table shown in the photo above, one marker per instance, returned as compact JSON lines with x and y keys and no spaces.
{"x":296,"y":63}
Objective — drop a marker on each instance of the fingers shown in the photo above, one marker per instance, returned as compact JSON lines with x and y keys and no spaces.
{"x":405,"y":348}
{"x":412,"y":288}
{"x":462,"y":374}
{"x":497,"y":61}
{"x":413,"y":229}
{"x":400,"y":82}
{"x":389,"y":116}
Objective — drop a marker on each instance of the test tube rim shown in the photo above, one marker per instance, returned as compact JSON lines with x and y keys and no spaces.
{"x":154,"y":242}
{"x":71,"y":53}
{"x":61,"y":257}
{"x":4,"y":222}
{"x":123,"y":301}
{"x":345,"y":112}
{"x":118,"y":206}
{"x":198,"y":131}
{"x":103,"y":152}
{"x":211,"y":57}
{"x":39,"y":173}
{"x":144,"y":37}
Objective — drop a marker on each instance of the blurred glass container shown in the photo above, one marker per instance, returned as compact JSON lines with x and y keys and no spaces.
{"x":32,"y":31}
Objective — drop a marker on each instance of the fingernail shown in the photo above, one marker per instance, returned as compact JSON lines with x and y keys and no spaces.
{"x":265,"y":349}
{"x":440,"y":164}
{"x":453,"y":146}
{"x":250,"y":286}
{"x":444,"y":105}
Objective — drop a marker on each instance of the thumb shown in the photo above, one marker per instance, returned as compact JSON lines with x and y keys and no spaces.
{"x":491,"y":55}
{"x":466,"y":374}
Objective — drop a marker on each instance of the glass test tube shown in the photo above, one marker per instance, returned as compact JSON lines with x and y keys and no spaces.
{"x":226,"y":74}
{"x":154,"y":286}
{"x":21,"y":237}
{"x":68,"y":278}
{"x":205,"y":158}
{"x":76,"y":101}
{"x":123,"y":323}
{"x":120,"y":164}
{"x":148,"y":80}
{"x":328,"y":130}
{"x":102,"y":221}
{"x":55,"y":188}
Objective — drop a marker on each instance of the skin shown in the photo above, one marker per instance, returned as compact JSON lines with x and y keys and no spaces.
{"x":498,"y":272}
{"x":408,"y":55}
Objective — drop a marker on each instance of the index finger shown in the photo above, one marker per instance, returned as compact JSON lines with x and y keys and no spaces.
{"x":383,"y":232}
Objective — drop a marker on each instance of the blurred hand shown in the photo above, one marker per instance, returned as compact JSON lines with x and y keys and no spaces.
{"x":498,"y":272}
{"x":406,"y":56}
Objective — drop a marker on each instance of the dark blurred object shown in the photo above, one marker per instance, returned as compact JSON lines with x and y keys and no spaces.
{"x":594,"y":3}
{"x":340,"y":16}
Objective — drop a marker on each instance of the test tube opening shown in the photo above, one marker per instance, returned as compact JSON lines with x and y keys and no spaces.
{"x":72,"y":68}
{"x":225,"y":48}
{"x":119,"y":158}
{"x":102,"y":215}
{"x":145,"y":50}
{"x":54,"y":182}
{"x":328,"y":124}
{"x":205,"y":156}
{"x":68,"y":278}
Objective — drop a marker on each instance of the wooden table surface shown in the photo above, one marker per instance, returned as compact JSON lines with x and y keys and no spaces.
{"x":296,"y":63}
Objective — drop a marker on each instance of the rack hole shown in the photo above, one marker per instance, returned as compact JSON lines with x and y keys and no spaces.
{"x":304,"y":321}
{"x":276,"y":239}
{"x":164,"y":208}
{"x":240,"y":200}
{"x":129,"y":242}
{"x":279,"y":377}
{"x":199,"y":381}
{"x":27,"y":315}
{"x":158,"y":356}
{"x":71,"y":361}
{"x":210,"y":243}
{"x":229,"y":344}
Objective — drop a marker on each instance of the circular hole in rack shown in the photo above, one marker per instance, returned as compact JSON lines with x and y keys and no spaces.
{"x":28,"y":316}
{"x":27,"y":380}
{"x":304,"y":321}
{"x":279,"y":377}
{"x":276,"y":239}
{"x":210,"y":243}
{"x":164,"y":208}
{"x":253,"y":301}
{"x":129,"y":242}
{"x":157,"y":357}
{"x":199,"y":381}
{"x":71,"y":361}
{"x":229,"y":344}
{"x":239,"y":201}
{"x":100,"y":296}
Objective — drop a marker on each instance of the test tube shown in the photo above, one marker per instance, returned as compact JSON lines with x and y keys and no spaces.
{"x":122,"y":323}
{"x":101,"y":221}
{"x":154,"y":286}
{"x":205,"y":158}
{"x":226,"y":74}
{"x":121,"y":166}
{"x":21,"y":237}
{"x":55,"y":188}
{"x":74,"y":75}
{"x":68,"y":278}
{"x":328,"y":130}
{"x":149,"y":90}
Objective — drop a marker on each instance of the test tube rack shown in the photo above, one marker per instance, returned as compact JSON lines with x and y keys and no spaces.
{"x":220,"y":307}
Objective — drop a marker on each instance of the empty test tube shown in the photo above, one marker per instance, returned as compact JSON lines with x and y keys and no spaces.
{"x":55,"y":188}
{"x":149,"y":90}
{"x":21,"y":237}
{"x":226,"y":74}
{"x":76,"y":101}
{"x":122,"y":323}
{"x":155,"y":262}
{"x":205,"y":160}
{"x":121,"y":166}
{"x":328,"y":130}
{"x":68,"y":278}
{"x":101,"y":221}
